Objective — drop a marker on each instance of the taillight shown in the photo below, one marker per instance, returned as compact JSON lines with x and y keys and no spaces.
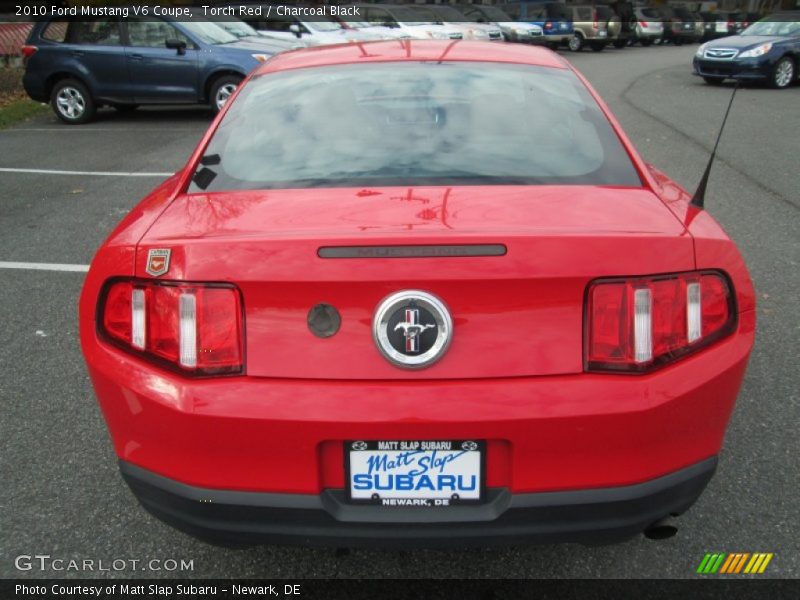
{"x":637,"y":324}
{"x":548,"y":25}
{"x":28,"y":51}
{"x":643,"y":24}
{"x":193,"y":327}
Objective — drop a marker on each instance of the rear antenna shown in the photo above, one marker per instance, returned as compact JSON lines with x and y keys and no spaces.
{"x":699,"y":197}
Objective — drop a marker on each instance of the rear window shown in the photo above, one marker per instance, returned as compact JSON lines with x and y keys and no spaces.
{"x":556,"y":10}
{"x":98,"y":32}
{"x":418,"y":124}
{"x":55,"y":31}
{"x":603,"y":12}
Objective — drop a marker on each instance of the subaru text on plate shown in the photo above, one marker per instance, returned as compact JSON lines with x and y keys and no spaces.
{"x":433,"y":295}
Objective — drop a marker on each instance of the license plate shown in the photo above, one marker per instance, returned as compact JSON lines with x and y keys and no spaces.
{"x":424,"y":473}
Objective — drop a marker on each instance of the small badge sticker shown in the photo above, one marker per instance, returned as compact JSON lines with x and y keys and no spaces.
{"x":157,"y":261}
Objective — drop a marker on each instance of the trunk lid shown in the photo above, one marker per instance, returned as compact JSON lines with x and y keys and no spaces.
{"x":519,"y":314}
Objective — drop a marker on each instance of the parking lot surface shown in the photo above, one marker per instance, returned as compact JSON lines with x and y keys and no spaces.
{"x":62,"y":189}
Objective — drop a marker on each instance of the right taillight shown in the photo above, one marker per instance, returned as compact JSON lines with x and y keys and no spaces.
{"x":640,"y":323}
{"x":192,"y":327}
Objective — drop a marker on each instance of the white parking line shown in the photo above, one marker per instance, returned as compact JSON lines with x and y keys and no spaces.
{"x":85,"y":173}
{"x":44,"y":267}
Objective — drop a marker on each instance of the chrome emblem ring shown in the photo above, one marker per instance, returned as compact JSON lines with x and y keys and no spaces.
{"x":412,"y":329}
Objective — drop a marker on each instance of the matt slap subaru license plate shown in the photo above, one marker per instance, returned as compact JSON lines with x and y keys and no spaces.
{"x":415,"y":472}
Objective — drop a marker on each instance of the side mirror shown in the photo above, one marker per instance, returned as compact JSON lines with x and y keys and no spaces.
{"x":390,"y":24}
{"x":295,"y":29}
{"x":177,"y":45}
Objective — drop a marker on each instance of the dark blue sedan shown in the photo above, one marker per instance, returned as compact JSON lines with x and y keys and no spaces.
{"x":768,"y":50}
{"x":79,"y":66}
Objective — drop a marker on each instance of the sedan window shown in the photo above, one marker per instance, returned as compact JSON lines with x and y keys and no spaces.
{"x":209,"y":33}
{"x":100,"y":32}
{"x":767,"y":27}
{"x":415,"y":124}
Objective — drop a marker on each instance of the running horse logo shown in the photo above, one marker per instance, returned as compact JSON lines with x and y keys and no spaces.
{"x":412,"y":329}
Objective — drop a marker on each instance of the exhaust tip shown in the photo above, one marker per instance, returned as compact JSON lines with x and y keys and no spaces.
{"x":661,"y":530}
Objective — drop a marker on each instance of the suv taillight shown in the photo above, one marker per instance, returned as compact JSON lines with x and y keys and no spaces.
{"x":28,"y":51}
{"x":638,"y":324}
{"x":193,"y":327}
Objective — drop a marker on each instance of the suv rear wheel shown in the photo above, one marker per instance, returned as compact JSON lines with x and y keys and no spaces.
{"x":72,"y":102}
{"x":222,"y":89}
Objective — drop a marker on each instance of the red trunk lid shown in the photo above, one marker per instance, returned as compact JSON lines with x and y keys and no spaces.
{"x":520,"y":314}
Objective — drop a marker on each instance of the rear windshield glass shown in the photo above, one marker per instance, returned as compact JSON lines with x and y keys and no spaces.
{"x":558,"y":11}
{"x":416,"y":124}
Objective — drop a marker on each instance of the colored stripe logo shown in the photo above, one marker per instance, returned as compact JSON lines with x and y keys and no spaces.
{"x":734,"y":563}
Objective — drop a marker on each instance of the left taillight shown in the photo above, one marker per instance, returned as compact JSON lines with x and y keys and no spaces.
{"x":28,"y":50}
{"x":192,"y":327}
{"x":641,"y":323}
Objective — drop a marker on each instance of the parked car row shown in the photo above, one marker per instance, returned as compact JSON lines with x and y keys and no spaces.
{"x":79,"y":66}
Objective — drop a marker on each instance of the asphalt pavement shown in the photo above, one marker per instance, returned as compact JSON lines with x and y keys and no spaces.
{"x":60,"y":492}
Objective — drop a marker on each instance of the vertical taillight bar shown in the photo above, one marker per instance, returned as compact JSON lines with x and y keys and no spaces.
{"x":694,"y":316}
{"x":138,"y":319}
{"x":643,"y":325}
{"x":188,"y":333}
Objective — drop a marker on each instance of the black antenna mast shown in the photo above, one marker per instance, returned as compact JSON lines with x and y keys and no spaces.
{"x":699,"y":197}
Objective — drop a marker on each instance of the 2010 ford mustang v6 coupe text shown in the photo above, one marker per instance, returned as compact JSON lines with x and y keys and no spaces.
{"x":417,"y":292}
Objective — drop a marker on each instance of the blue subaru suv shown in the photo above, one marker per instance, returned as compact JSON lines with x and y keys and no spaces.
{"x":79,"y":66}
{"x":555,"y":18}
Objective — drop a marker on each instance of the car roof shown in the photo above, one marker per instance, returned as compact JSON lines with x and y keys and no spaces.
{"x":786,"y":15}
{"x":413,"y":51}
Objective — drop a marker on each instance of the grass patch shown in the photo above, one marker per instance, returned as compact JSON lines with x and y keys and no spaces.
{"x":17,"y":110}
{"x":15,"y":106}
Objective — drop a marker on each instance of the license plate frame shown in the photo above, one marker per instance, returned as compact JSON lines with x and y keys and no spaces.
{"x":475,"y":450}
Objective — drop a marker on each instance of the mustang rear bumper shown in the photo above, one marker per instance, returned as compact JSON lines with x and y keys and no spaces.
{"x":602,"y":515}
{"x":590,"y":457}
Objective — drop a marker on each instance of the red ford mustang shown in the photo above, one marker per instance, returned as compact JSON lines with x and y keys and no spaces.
{"x":417,"y":293}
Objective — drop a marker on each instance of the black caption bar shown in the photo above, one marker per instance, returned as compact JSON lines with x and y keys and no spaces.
{"x":391,"y":589}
